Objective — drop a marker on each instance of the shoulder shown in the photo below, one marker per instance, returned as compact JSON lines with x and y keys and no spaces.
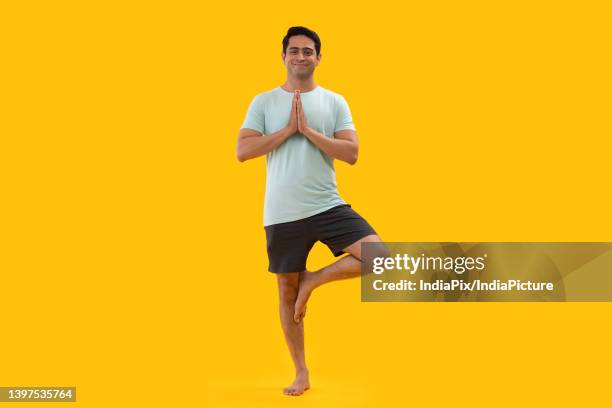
{"x":330,"y":94}
{"x":335,"y":97}
{"x":267,"y":96}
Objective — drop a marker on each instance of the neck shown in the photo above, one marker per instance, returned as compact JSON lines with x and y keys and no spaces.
{"x":297,"y":84}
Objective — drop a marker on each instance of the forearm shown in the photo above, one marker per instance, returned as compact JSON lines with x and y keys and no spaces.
{"x":255,"y":146}
{"x":340,"y":149}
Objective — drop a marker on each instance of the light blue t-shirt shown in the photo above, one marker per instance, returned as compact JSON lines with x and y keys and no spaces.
{"x":300,"y":178}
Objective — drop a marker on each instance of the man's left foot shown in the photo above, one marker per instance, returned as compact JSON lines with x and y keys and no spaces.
{"x":299,"y":385}
{"x":306,"y":286}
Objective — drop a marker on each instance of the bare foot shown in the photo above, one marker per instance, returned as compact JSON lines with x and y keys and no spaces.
{"x":306,"y":286}
{"x":299,"y":385}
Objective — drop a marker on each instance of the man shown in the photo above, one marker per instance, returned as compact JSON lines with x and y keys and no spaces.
{"x":302,"y":128}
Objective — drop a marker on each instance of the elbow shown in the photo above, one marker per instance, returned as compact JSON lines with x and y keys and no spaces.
{"x":352,"y":159}
{"x":241,"y":155}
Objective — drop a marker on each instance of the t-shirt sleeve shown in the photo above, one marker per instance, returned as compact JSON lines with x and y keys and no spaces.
{"x":344,"y":120}
{"x":255,"y":118}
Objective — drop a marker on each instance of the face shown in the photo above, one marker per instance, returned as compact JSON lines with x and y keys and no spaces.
{"x":301,"y":57}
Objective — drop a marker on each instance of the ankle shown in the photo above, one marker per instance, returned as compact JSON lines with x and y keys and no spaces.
{"x":316,"y":278}
{"x":299,"y":372}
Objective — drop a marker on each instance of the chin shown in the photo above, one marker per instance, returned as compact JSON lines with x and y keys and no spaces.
{"x":302,"y":75}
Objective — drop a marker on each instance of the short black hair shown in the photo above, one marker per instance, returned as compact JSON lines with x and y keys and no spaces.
{"x":299,"y":30}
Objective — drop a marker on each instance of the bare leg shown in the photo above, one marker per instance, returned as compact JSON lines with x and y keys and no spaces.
{"x":345,"y":268}
{"x":294,"y":331}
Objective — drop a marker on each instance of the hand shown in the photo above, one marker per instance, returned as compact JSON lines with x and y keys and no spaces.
{"x":301,"y":117}
{"x":293,"y":118}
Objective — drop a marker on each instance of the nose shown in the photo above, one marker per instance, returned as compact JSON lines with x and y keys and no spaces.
{"x":301,"y":55}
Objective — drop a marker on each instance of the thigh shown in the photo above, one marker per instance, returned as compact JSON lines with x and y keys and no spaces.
{"x":288,"y":245}
{"x":355,"y":248}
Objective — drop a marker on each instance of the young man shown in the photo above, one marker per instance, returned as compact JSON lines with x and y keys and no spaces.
{"x":302,"y":128}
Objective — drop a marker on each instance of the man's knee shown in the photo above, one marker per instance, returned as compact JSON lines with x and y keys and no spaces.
{"x":380,"y":250}
{"x":288,"y":288}
{"x":288,"y":294}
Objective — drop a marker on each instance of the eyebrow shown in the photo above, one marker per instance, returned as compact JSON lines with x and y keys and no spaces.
{"x":304,"y":48}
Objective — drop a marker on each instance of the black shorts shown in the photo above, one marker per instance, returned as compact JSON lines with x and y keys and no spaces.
{"x":290,"y":242}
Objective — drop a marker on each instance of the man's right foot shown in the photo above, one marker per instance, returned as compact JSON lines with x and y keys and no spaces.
{"x":299,"y":385}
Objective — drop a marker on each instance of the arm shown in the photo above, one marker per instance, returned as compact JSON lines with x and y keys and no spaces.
{"x":343,"y":146}
{"x":252,"y":143}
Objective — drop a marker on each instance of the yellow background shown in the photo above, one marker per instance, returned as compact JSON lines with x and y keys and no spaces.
{"x":133,"y":259}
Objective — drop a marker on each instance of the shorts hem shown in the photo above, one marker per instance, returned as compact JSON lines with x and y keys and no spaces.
{"x":339,"y":251}
{"x":281,"y":272}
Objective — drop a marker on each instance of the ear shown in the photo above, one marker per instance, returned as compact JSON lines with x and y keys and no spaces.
{"x":319,"y":58}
